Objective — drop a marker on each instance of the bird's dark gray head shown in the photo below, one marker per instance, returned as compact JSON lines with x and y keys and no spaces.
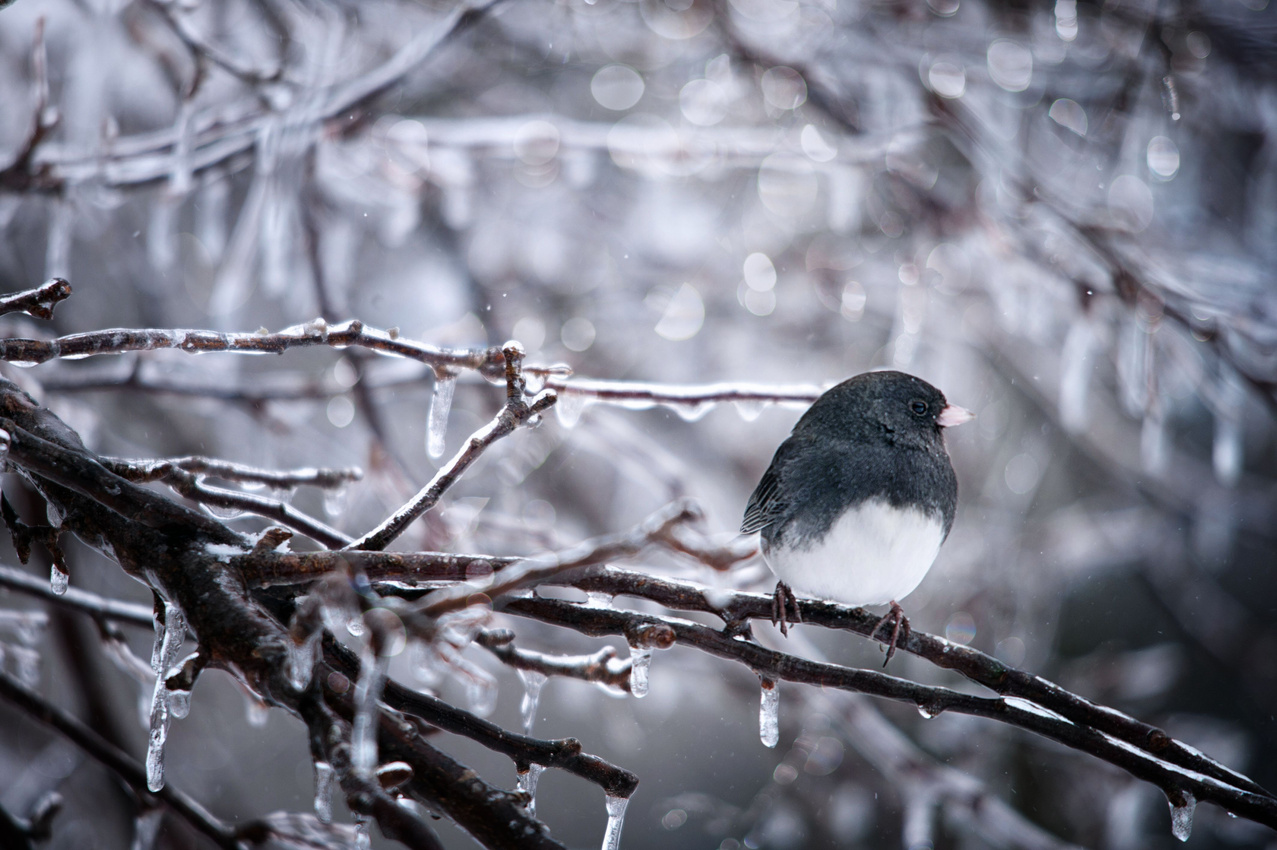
{"x":890,"y":406}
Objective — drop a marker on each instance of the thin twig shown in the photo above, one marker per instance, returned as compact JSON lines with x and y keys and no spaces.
{"x":99,"y":607}
{"x":602,"y":667}
{"x":119,"y":762}
{"x":156,"y":470}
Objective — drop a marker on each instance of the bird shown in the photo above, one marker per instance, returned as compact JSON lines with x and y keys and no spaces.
{"x":859,"y":498}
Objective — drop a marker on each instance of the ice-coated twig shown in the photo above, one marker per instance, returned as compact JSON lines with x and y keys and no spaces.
{"x":190,"y":483}
{"x":38,"y":302}
{"x":602,"y":667}
{"x":1228,"y":792}
{"x":99,"y":607}
{"x":159,"y":470}
{"x":268,"y":568}
{"x":201,"y":49}
{"x":488,"y":361}
{"x":516,"y":411}
{"x":23,"y":173}
{"x":632,"y":393}
{"x":115,"y":759}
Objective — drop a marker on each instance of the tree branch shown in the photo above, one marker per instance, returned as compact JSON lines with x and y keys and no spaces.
{"x":38,"y":302}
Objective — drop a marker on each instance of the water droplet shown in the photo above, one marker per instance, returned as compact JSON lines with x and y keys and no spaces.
{"x":769,"y":714}
{"x":928,"y":711}
{"x":1182,"y":815}
{"x":749,"y":410}
{"x":335,"y":501}
{"x":615,"y":820}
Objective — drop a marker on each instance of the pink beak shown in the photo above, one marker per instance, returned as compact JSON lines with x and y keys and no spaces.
{"x":953,"y":415}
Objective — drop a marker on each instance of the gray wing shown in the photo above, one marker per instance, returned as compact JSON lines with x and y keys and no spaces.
{"x":767,"y":504}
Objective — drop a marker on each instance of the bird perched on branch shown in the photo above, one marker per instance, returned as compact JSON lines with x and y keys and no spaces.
{"x":859,"y":498}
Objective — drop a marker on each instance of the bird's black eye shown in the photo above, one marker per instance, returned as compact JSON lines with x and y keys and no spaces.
{"x":919,"y":407}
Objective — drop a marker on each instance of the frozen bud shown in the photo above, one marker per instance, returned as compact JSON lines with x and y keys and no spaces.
{"x":651,"y":635}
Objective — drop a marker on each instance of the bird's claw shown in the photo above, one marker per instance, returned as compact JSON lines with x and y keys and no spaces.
{"x":899,"y":626}
{"x":782,"y":598}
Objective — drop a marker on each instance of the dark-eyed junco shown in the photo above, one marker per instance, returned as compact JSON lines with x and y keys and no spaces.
{"x":857,"y":501}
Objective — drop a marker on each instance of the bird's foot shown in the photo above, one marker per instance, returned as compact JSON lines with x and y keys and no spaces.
{"x":899,"y":626}
{"x":782,"y":599}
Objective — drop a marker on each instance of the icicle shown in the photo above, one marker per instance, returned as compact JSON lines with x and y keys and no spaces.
{"x":526,"y":784}
{"x":363,"y":735}
{"x":168,"y":643}
{"x":640,"y":665}
{"x":769,"y":714}
{"x":210,"y":218}
{"x":440,"y":405}
{"x":335,"y":501}
{"x":1182,"y":815}
{"x":161,"y":234}
{"x":1153,"y":440}
{"x":146,"y":828}
{"x":26,"y":664}
{"x":301,"y":660}
{"x":533,"y":681}
{"x":1227,"y":451}
{"x":324,"y":776}
{"x":615,"y":820}
{"x":1133,"y":365}
{"x":58,"y":579}
{"x":57,"y":252}
{"x":257,"y":713}
{"x":1075,"y":378}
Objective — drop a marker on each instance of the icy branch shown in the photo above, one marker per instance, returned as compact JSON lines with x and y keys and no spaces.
{"x":38,"y":302}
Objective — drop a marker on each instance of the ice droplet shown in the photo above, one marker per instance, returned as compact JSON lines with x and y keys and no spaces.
{"x":179,"y":703}
{"x":324,"y":776}
{"x":1182,"y":815}
{"x":749,"y":410}
{"x":692,"y":411}
{"x":440,"y":404}
{"x":58,"y":579}
{"x":335,"y":501}
{"x":615,"y":820}
{"x":256,"y":712}
{"x":769,"y":714}
{"x":168,"y":644}
{"x":526,"y":783}
{"x":363,"y":735}
{"x":569,"y":408}
{"x":928,"y":710}
{"x":640,"y":665}
{"x":598,"y":599}
{"x":533,"y":681}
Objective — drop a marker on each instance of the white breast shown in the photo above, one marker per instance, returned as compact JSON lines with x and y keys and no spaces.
{"x":873,"y":554}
